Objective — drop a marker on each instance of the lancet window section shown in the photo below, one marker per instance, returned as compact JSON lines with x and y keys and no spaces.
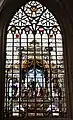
{"x":34,"y":68}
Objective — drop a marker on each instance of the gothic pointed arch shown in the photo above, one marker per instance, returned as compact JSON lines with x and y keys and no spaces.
{"x":34,"y":65}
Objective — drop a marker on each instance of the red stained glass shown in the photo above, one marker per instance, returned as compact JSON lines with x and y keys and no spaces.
{"x":17,"y":35}
{"x":41,"y":29}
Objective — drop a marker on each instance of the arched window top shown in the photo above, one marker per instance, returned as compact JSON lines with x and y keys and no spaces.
{"x":34,"y":16}
{"x":34,"y":67}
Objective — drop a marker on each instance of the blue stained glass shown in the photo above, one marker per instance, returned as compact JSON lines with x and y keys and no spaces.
{"x":30,"y":75}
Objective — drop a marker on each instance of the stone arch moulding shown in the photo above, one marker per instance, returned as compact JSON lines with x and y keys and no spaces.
{"x":8,"y":8}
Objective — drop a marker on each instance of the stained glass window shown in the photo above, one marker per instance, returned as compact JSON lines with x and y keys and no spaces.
{"x":34,"y":67}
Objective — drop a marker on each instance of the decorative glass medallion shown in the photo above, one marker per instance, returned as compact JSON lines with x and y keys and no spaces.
{"x":27,"y":29}
{"x":33,"y":8}
{"x":41,"y":29}
{"x":17,"y":35}
{"x":55,"y":28}
{"x":13,"y":28}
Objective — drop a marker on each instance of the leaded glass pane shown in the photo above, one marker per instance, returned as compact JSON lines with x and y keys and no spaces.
{"x":34,"y":67}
